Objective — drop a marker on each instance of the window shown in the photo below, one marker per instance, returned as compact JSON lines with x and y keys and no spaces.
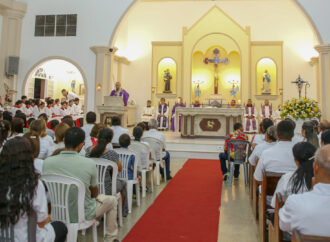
{"x":56,"y":25}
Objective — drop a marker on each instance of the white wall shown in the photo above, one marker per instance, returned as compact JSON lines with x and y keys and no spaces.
{"x":96,"y":22}
{"x":269,"y":21}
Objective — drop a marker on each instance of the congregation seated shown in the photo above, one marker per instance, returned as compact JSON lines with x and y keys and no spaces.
{"x":270,"y":141}
{"x":49,"y":131}
{"x":24,"y":196}
{"x":154,"y":133}
{"x":278,"y":158}
{"x":17,"y":126}
{"x":309,"y":132}
{"x":53,"y":124}
{"x":7,"y":116}
{"x":35,"y":148}
{"x":70,"y":163}
{"x":87,"y":128}
{"x":125,"y":142}
{"x":296,"y":137}
{"x":309,"y":212}
{"x":323,"y":126}
{"x":100,"y":150}
{"x":300,"y":180}
{"x":144,"y":153}
{"x":238,"y":134}
{"x":260,"y":138}
{"x":38,"y":127}
{"x":117,"y":129}
{"x":22,"y":116}
{"x":325,"y":138}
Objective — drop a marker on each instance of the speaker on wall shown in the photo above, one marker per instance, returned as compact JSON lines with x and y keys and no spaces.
{"x":12,"y":65}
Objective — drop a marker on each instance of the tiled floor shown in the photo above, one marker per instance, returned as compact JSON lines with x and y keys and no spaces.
{"x":236,"y":221}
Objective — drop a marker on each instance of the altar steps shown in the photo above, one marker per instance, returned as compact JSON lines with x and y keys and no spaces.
{"x":198,"y":148}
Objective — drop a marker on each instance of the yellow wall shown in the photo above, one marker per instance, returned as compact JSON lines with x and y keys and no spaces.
{"x":205,"y":73}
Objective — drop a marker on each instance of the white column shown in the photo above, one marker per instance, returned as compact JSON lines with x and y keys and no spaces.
{"x":324,"y":67}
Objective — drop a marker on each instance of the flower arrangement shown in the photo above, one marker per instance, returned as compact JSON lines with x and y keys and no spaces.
{"x":303,"y":108}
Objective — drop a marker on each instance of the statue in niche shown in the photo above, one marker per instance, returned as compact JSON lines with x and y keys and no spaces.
{"x":167,"y":79}
{"x":234,"y":91}
{"x":266,"y":82}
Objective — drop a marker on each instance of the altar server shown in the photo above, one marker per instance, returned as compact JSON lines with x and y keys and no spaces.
{"x":120,"y":93}
{"x":266,"y":110}
{"x":63,"y":110}
{"x":173,"y":119}
{"x":162,"y":117}
{"x":70,"y":107}
{"x":250,"y":121}
{"x":50,"y":108}
{"x":69,"y":95}
{"x":18,"y":106}
{"x":28,"y":110}
{"x":149,"y":113}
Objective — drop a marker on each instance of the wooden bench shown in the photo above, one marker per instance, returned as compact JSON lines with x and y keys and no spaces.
{"x":297,"y":237}
{"x":268,"y":187}
{"x":274,"y":232}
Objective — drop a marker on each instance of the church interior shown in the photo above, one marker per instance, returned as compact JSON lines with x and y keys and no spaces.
{"x":209,"y":118}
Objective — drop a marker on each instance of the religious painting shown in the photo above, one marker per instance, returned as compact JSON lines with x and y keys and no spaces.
{"x":266,"y":77}
{"x":216,"y":72}
{"x":167,"y":71}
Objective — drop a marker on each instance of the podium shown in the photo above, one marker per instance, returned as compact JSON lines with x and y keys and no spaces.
{"x":114,"y":106}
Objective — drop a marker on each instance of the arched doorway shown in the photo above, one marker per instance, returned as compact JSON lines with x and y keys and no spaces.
{"x":49,"y":76}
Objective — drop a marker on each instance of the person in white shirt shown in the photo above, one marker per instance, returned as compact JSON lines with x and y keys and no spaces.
{"x":323,"y":126}
{"x":277,"y":115}
{"x":64,"y":111}
{"x":38,"y":127}
{"x":309,"y":132}
{"x":266,"y":110}
{"x":76,"y":108}
{"x":309,"y":212}
{"x":279,"y":158}
{"x":18,"y":106}
{"x":154,"y":133}
{"x":87,"y":128}
{"x":149,"y":112}
{"x":260,"y":138}
{"x":117,"y":129}
{"x":270,"y":141}
{"x":39,"y":110}
{"x":144,"y":152}
{"x":28,"y":110}
{"x":70,"y":108}
{"x":59,"y":138}
{"x":300,"y":180}
{"x":24,"y":195}
{"x":50,"y":108}
{"x":297,"y":137}
{"x":69,"y":95}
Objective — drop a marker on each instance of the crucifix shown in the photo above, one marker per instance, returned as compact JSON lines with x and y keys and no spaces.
{"x":300,"y":84}
{"x":216,"y":61}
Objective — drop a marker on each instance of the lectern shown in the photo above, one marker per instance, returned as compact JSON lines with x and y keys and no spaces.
{"x":114,"y":106}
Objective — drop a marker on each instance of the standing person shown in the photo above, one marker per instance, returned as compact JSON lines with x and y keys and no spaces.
{"x":250,"y":118}
{"x":309,"y":132}
{"x":162,"y":116}
{"x":70,"y":163}
{"x":266,"y":110}
{"x":236,"y":135}
{"x":69,"y":95}
{"x":119,"y":92}
{"x":148,"y":113}
{"x":23,"y":194}
{"x":173,"y":119}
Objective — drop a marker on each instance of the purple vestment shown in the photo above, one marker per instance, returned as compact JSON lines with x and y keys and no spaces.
{"x":264,"y":112}
{"x":122,"y":93}
{"x":249,"y":121}
{"x":173,"y":120}
{"x":162,"y":121}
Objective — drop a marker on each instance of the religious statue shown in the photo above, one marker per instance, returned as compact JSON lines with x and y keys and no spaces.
{"x":266,"y":81}
{"x":73,"y":86}
{"x":216,"y":61}
{"x":234,"y":91}
{"x":167,"y":79}
{"x":198,"y":92}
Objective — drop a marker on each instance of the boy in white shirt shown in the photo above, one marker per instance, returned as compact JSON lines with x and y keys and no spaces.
{"x":278,"y":158}
{"x":70,"y":108}
{"x":63,"y":110}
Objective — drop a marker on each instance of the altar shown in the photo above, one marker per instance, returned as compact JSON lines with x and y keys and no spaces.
{"x":208,"y":122}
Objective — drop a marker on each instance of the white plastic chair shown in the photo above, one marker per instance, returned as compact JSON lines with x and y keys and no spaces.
{"x":136,"y":147}
{"x":157,"y":146}
{"x":59,"y":189}
{"x":102,"y":166}
{"x":124,"y":157}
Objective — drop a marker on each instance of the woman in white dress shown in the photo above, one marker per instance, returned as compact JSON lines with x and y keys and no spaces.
{"x":23,"y":197}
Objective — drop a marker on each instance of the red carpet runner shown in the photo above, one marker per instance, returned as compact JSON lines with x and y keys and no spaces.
{"x":186,"y":210}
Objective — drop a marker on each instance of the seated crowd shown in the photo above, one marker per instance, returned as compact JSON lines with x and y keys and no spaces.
{"x":303,"y":162}
{"x":36,"y":143}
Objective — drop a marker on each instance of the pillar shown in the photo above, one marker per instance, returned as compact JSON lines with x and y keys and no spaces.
{"x":324,"y":76}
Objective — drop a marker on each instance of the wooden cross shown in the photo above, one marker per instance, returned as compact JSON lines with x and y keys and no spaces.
{"x":216,"y":61}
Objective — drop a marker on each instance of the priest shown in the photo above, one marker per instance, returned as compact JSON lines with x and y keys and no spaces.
{"x":250,"y":118}
{"x":162,"y":116}
{"x":69,"y":95}
{"x":266,"y":110}
{"x":119,"y":92}
{"x":173,"y":119}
